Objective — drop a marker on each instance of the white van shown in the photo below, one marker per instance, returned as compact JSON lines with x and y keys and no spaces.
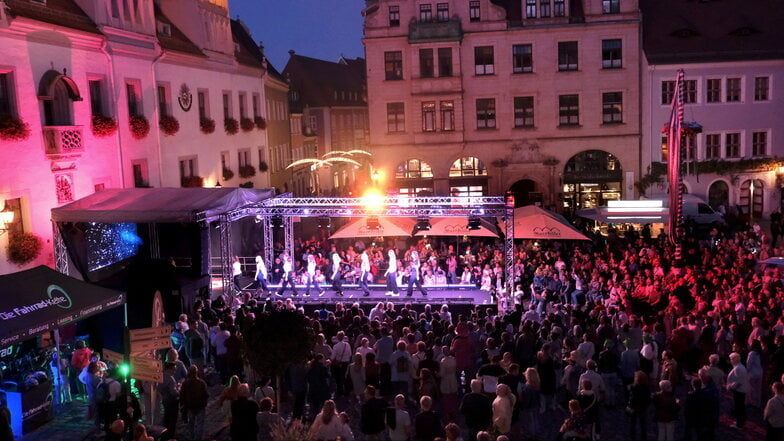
{"x":700,"y":211}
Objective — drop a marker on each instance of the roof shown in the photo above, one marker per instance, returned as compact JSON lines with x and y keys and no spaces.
{"x":316,"y":81}
{"x":249,"y":53}
{"x":41,"y":299}
{"x":65,"y":13}
{"x":177,"y":41}
{"x":271,"y":71}
{"x":158,"y":205}
{"x":690,"y":31}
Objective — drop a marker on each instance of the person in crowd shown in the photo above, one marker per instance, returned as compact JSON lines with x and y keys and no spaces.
{"x":503,"y":409}
{"x":357,"y":377}
{"x":267,"y":420}
{"x":318,"y":382}
{"x":574,"y":428}
{"x":774,"y":414}
{"x":80,"y":358}
{"x":427,"y":422}
{"x":529,"y":402}
{"x":637,"y":409}
{"x":477,"y":409}
{"x":244,"y":426}
{"x":193,"y":399}
{"x":738,"y":385}
{"x":169,"y":390}
{"x":140,"y":433}
{"x":372,"y":415}
{"x":327,"y":425}
{"x":398,"y":420}
{"x":666,"y":410}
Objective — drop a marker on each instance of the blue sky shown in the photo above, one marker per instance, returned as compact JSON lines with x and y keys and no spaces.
{"x":322,"y":29}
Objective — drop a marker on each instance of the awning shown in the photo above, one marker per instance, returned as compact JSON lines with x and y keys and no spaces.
{"x":387,"y":227}
{"x":158,"y":205}
{"x":40,"y":299}
{"x":457,"y":226}
{"x":532,"y":222}
{"x":602,"y":215}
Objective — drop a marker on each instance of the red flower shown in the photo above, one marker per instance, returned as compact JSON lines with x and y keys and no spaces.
{"x":247,"y":124}
{"x":23,"y":248}
{"x":13,"y":129}
{"x":207,"y":125}
{"x":231,"y":126}
{"x":103,"y":126}
{"x":140,"y":127}
{"x":260,"y":122}
{"x":169,"y":125}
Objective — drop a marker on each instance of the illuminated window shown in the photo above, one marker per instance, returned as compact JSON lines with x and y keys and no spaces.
{"x":467,"y":166}
{"x":559,"y":8}
{"x":393,"y":65}
{"x":522,"y":58}
{"x":611,"y":6}
{"x":530,"y":8}
{"x":544,"y":8}
{"x":442,"y":11}
{"x":413,"y":169}
{"x":429,"y":116}
{"x":425,"y":13}
{"x":568,"y":110}
{"x":447,"y":116}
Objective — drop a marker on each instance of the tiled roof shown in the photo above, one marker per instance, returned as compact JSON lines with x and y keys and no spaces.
{"x":692,"y":31}
{"x":271,"y":71}
{"x":65,"y":13}
{"x":249,"y":53}
{"x":177,"y":41}
{"x":316,"y":81}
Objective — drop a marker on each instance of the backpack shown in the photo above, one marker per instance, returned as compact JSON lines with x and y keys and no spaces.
{"x":102,"y":393}
{"x":402,"y":364}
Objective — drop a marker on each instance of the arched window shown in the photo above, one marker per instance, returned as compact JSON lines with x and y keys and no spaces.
{"x":467,"y":166}
{"x":58,"y":92}
{"x":718,"y":195}
{"x":413,"y":169}
{"x":414,"y":178}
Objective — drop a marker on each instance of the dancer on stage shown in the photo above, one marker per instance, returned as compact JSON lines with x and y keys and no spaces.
{"x":261,"y":275}
{"x":288,"y":275}
{"x":236,"y":272}
{"x":413,"y":277}
{"x":311,"y":275}
{"x":364,"y":273}
{"x":391,"y":274}
{"x":337,"y":285}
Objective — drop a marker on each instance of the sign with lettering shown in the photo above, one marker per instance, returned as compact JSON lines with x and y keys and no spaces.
{"x":145,"y":374}
{"x":151,"y":344}
{"x":146,"y":363}
{"x":114,"y":357}
{"x":150,"y":333}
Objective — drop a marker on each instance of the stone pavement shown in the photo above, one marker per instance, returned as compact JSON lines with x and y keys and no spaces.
{"x":70,"y":424}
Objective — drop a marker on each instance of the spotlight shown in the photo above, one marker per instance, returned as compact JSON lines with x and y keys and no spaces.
{"x":277,"y":222}
{"x":423,"y":224}
{"x":372,"y":223}
{"x":324,"y":222}
{"x":474,"y":223}
{"x":258,"y":219}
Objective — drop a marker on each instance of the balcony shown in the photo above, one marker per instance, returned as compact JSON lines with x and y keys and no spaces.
{"x":63,"y":140}
{"x":436,"y":31}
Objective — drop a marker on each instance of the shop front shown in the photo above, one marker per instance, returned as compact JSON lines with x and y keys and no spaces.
{"x":590,"y":179}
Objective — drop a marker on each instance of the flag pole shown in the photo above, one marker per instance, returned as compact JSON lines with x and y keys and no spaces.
{"x":674,"y":169}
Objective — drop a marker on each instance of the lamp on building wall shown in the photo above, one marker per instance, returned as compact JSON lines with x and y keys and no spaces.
{"x":6,"y":217}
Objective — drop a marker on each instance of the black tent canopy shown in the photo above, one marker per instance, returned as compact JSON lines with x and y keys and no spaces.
{"x":41,"y":299}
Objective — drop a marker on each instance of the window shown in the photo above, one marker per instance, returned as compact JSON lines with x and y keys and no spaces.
{"x":425,"y":13}
{"x":394,"y":16}
{"x":256,"y":99}
{"x":5,"y":94}
{"x":483,"y":60}
{"x":429,"y":116}
{"x":447,"y":116}
{"x":567,"y":56}
{"x":396,"y":118}
{"x":242,"y":99}
{"x":691,"y":146}
{"x":530,"y":8}
{"x":96,"y":97}
{"x":485,"y":113}
{"x":426,"y":63}
{"x":17,"y":226}
{"x":467,"y":166}
{"x":141,"y":177}
{"x":611,"y":6}
{"x":690,"y":91}
{"x":732,"y":145}
{"x":733,"y":90}
{"x":611,"y":54}
{"x":559,"y":8}
{"x":225,"y":163}
{"x":393,"y":65}
{"x":442,"y":11}
{"x":761,"y":88}
{"x":667,"y":91}
{"x":665,"y":150}
{"x":522,"y":58}
{"x":544,"y":8}
{"x":524,"y":111}
{"x":226,"y":105}
{"x":474,"y":11}
{"x":712,"y":146}
{"x":713,"y":94}
{"x":132,"y":91}
{"x":163,"y":100}
{"x":759,"y":143}
{"x":568,"y":110}
{"x":243,"y":158}
{"x":201,"y":97}
{"x":188,"y":168}
{"x":612,"y":107}
{"x":445,"y":62}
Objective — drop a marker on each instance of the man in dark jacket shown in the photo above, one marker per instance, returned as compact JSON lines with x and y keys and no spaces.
{"x":477,"y":409}
{"x":427,"y":423}
{"x":193,"y":398}
{"x":372,"y":415}
{"x":318,"y":383}
{"x":170,"y":395}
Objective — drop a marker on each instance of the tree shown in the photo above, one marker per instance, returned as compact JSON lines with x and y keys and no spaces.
{"x":276,"y":340}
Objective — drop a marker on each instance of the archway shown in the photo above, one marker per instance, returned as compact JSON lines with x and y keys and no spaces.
{"x":526,"y":192}
{"x":590,"y":179}
{"x":719,"y":195}
{"x":58,"y":92}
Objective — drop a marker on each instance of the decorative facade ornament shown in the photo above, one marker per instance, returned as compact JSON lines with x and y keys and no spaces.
{"x":185,"y":98}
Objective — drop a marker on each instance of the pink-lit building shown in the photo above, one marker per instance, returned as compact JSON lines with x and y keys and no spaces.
{"x":176,"y":65}
{"x":540,"y":97}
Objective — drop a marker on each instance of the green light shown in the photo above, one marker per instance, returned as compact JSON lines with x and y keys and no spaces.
{"x":125,"y":369}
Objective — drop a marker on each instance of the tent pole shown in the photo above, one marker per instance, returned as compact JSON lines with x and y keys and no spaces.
{"x":59,"y":392}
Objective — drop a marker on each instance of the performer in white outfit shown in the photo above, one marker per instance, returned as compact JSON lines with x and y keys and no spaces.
{"x":261,"y":275}
{"x":311,"y":276}
{"x":391,"y":274}
{"x":413,"y":277}
{"x":288,"y":275}
{"x":365,"y":273}
{"x":337,"y":285}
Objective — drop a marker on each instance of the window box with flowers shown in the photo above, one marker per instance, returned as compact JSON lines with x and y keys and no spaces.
{"x":247,"y":124}
{"x":263,"y":166}
{"x":247,"y":171}
{"x":192,"y":181}
{"x":260,"y":122}
{"x":231,"y":126}
{"x":103,"y":126}
{"x":248,"y":184}
{"x":227,"y":174}
{"x":140,"y":127}
{"x":207,"y":125}
{"x":169,"y":125}
{"x":13,"y":129}
{"x":24,"y":248}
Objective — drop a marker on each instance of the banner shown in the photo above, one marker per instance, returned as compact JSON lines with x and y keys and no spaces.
{"x":674,"y":159}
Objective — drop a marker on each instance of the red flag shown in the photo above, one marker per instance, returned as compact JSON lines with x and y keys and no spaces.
{"x":674,"y":159}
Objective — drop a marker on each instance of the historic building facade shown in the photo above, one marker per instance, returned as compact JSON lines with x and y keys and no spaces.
{"x":537,"y":97}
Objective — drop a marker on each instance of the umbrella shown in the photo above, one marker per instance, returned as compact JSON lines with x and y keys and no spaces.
{"x":457,"y":226}
{"x":532,"y":222}
{"x":387,"y":226}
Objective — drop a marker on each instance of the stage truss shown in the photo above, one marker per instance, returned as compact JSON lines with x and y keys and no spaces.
{"x":284,"y":208}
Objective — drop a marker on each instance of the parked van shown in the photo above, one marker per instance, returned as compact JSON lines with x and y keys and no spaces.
{"x":699,"y":210}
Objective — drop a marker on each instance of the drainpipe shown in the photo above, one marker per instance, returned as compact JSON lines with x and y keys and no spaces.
{"x":116,"y":100}
{"x":156,"y":111}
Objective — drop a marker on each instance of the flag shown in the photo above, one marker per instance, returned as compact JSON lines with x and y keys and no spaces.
{"x":674,"y":159}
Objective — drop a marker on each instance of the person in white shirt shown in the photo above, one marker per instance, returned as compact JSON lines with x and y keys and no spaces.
{"x":236,"y":272}
{"x":341,"y":357}
{"x":337,"y":285}
{"x":364,"y":273}
{"x":738,"y":384}
{"x":391,"y":274}
{"x":288,"y":275}
{"x":261,"y":275}
{"x":400,"y":425}
{"x":311,"y":277}
{"x":413,"y":276}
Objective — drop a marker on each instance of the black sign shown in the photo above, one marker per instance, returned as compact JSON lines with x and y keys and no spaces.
{"x":37,"y":407}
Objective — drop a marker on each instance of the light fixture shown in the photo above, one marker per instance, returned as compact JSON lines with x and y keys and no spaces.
{"x":218,"y":184}
{"x":6,"y":217}
{"x":423,"y":224}
{"x":373,"y":223}
{"x":474,"y":223}
{"x":324,"y":222}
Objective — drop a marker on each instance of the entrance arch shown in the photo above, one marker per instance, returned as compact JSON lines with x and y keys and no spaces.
{"x":751,"y":197}
{"x":526,"y":192}
{"x":718,"y":195}
{"x":590,"y":179}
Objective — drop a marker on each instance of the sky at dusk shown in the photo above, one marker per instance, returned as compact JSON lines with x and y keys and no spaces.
{"x":324,"y":29}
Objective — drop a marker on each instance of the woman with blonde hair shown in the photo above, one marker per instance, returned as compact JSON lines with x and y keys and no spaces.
{"x":327,"y":424}
{"x":530,"y":401}
{"x":575,"y":427}
{"x":503,"y":409}
{"x":231,"y":392}
{"x":356,"y":373}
